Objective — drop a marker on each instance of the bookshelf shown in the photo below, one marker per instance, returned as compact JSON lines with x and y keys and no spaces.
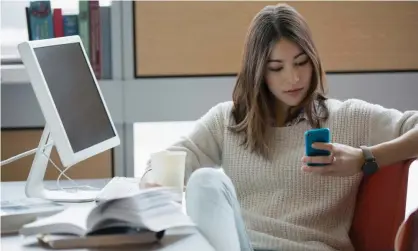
{"x":91,"y":21}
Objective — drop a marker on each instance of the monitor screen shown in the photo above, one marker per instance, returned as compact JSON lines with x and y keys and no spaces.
{"x":75,"y":95}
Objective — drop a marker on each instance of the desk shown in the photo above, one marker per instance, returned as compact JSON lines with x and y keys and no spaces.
{"x":172,"y":241}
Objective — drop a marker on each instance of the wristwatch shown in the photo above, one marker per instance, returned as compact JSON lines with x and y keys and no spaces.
{"x":370,"y":165}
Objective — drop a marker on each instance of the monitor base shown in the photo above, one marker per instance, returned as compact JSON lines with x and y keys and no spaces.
{"x":70,"y":195}
{"x":35,"y":183}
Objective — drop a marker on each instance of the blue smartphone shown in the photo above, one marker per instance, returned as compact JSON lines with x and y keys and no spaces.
{"x":316,"y":135}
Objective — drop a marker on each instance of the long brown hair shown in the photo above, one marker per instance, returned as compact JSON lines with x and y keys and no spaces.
{"x":254,"y":105}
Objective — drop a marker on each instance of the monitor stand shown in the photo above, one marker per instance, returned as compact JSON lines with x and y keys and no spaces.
{"x":35,"y":186}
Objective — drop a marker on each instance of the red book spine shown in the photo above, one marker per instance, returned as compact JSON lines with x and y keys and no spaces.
{"x":58,"y":23}
{"x":95,"y":38}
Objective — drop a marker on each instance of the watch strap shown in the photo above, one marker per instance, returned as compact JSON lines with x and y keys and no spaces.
{"x":368,"y":155}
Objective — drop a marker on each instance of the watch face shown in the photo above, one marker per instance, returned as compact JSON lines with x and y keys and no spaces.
{"x":370,"y":167}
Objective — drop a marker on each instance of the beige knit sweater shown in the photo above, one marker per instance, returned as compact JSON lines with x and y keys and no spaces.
{"x":283,"y":207}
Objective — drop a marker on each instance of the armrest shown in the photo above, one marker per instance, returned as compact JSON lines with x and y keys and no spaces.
{"x":380,"y":207}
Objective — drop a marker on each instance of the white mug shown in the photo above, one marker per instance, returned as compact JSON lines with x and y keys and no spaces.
{"x":168,"y":168}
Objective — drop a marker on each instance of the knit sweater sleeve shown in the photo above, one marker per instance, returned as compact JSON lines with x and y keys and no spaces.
{"x":203,"y":144}
{"x":388,"y":124}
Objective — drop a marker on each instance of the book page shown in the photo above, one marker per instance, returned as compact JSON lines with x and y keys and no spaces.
{"x":170,"y":216}
{"x":158,"y":218}
{"x":70,"y":221}
{"x":128,"y":208}
{"x":153,"y":209}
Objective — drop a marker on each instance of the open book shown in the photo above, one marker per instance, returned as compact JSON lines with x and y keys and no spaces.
{"x":139,"y":218}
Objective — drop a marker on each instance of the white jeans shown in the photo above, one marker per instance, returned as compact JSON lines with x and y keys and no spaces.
{"x":212,"y":204}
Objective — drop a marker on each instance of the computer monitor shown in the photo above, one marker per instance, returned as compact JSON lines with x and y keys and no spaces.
{"x":77,"y":119}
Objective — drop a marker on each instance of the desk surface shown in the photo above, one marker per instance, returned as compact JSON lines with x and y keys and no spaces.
{"x":172,"y":241}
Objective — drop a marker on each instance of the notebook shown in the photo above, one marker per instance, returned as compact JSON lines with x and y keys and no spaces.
{"x":139,"y":218}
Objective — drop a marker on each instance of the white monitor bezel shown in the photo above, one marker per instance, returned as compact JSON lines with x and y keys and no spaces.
{"x":49,"y":110}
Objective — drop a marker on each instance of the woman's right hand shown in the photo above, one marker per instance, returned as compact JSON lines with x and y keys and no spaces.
{"x":144,"y":185}
{"x":146,"y":181}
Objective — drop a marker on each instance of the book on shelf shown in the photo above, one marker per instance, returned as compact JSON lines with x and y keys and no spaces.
{"x":70,"y":23}
{"x":141,"y":217}
{"x":28,"y":24}
{"x":84,"y":25}
{"x":106,"y":38}
{"x":58,"y":23}
{"x":40,"y":23}
{"x":95,"y":38}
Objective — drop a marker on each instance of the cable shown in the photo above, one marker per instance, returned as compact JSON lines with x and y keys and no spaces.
{"x":22,"y":155}
{"x":62,"y":173}
{"x":59,"y":169}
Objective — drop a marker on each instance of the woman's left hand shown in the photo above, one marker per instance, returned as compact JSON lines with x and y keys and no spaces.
{"x":344,"y":160}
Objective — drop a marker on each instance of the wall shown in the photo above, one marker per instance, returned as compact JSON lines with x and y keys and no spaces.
{"x":182,"y":99}
{"x":21,"y":113}
{"x":207,"y":37}
{"x":364,"y":56}
{"x":17,"y":141}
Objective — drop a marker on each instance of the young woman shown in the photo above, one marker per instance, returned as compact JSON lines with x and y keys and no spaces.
{"x":266,"y":197}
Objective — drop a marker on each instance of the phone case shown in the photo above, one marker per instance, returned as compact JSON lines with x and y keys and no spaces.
{"x":316,"y":135}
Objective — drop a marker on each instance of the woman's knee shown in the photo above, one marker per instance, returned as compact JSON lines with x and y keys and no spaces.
{"x":209,"y":182}
{"x":207,"y":176}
